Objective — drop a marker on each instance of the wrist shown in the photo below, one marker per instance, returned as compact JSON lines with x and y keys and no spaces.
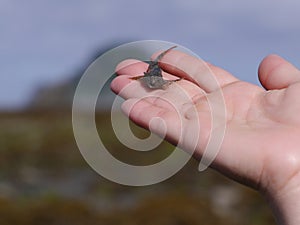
{"x":285,"y":202}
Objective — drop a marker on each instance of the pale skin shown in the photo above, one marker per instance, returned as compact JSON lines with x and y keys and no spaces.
{"x":261,"y":146}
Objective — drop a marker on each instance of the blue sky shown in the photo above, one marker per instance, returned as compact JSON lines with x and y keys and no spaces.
{"x":43,"y":42}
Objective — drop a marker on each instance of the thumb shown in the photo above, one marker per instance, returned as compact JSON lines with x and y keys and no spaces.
{"x":276,"y":73}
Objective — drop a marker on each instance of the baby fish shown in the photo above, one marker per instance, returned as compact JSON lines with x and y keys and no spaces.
{"x":153,"y":78}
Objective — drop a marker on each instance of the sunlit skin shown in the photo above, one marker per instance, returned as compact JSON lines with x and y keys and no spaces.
{"x":261,"y":147}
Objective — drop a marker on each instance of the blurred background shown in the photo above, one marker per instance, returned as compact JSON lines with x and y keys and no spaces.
{"x":45,"y":46}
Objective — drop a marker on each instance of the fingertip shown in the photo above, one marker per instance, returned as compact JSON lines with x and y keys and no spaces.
{"x":119,"y":83}
{"x":265,"y":68}
{"x":114,"y":85}
{"x":268,"y":63}
{"x":275,"y":72}
{"x":123,"y":66}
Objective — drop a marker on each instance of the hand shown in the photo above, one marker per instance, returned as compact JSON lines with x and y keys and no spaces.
{"x":261,"y":146}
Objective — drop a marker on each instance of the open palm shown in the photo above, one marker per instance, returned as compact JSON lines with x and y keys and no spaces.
{"x":261,"y":145}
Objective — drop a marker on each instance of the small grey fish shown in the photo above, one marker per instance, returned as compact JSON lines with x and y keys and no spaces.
{"x":153,"y":78}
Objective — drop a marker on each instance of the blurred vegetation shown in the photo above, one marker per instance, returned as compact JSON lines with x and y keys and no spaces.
{"x":44,"y":180}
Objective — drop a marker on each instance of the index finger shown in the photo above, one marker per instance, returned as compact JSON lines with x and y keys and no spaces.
{"x":205,"y":75}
